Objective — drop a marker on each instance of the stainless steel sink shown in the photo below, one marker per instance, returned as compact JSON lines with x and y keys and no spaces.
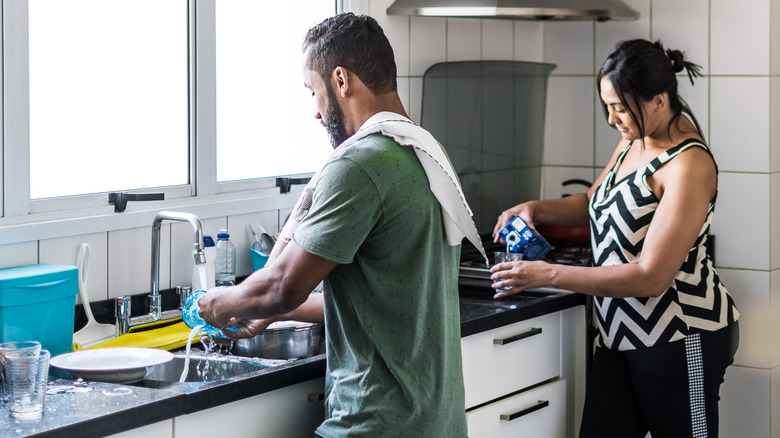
{"x":204,"y":368}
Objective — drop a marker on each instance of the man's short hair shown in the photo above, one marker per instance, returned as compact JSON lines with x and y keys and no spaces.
{"x":356,"y":43}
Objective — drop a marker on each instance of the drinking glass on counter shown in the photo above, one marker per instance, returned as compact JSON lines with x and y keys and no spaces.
{"x":501,"y":257}
{"x":24,"y":347}
{"x":27,"y":376}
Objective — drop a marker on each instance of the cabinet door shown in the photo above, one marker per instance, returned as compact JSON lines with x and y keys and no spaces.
{"x":539,"y":412}
{"x":510,"y":358}
{"x":287,"y":412}
{"x":162,"y":429}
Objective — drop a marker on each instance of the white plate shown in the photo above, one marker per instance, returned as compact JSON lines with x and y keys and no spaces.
{"x":113,"y":365}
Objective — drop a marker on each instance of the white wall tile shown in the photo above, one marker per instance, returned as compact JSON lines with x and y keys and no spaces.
{"x":684,"y":26}
{"x":553,"y":177}
{"x":428,"y":43}
{"x":741,"y":222}
{"x":357,"y":6}
{"x":751,"y":293}
{"x":497,"y":40}
{"x":739,"y":37}
{"x":775,"y":419}
{"x":774,"y":125}
{"x":18,"y":254}
{"x":463,"y":39}
{"x":64,"y":251}
{"x":744,"y":404}
{"x":775,"y":62}
{"x":698,"y":98}
{"x":610,"y":33}
{"x":568,"y":125}
{"x":242,"y":238}
{"x":569,"y":45}
{"x":774,"y":235}
{"x":396,"y":28}
{"x":130,"y":260}
{"x":415,"y":98}
{"x":774,"y":334}
{"x":182,"y":260}
{"x":403,"y":92}
{"x":529,"y":41}
{"x":739,"y":126}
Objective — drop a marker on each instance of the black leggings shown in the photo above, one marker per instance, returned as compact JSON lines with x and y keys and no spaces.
{"x":630,"y":393}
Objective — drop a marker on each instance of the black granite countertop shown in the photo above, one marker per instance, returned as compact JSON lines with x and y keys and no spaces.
{"x":111,"y":408}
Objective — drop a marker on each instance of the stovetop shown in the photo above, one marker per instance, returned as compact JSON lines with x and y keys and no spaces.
{"x":473,"y":271}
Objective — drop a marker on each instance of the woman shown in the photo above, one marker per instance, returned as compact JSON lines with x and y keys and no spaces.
{"x":667,"y":326}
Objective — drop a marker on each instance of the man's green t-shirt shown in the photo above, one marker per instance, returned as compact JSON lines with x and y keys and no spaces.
{"x":391,"y":305}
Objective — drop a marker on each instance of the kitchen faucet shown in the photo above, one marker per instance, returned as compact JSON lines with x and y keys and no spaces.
{"x":123,"y":319}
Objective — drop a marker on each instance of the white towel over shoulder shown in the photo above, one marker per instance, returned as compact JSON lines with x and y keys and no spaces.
{"x":458,"y":218}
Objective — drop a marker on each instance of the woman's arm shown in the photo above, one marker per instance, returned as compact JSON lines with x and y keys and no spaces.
{"x":687,"y":185}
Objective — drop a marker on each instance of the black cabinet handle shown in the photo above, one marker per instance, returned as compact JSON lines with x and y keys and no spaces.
{"x":540,"y":405}
{"x":503,"y":341}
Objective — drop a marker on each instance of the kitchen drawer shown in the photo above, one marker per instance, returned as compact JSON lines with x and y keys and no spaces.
{"x":510,"y":358}
{"x":540,"y":412}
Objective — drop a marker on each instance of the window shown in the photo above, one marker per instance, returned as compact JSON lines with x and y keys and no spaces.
{"x":108,"y":95}
{"x":265,"y":123}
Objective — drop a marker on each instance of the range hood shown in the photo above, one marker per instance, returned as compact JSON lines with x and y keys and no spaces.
{"x":560,"y":10}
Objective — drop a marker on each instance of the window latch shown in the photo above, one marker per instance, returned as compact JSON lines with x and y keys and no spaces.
{"x":119,"y":199}
{"x":285,"y":183}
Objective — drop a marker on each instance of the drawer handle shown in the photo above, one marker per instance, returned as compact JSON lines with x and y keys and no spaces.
{"x":517,"y":337}
{"x":315,"y":397}
{"x":540,"y":405}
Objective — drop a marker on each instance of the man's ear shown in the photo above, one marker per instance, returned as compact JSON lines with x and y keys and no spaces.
{"x":341,"y":81}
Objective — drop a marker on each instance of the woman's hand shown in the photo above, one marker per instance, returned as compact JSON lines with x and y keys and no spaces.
{"x":524,"y":210}
{"x":519,"y":276}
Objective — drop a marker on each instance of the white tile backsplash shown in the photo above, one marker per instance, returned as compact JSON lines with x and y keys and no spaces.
{"x":18,"y":254}
{"x":529,"y":41}
{"x":698,"y":98}
{"x":65,"y":251}
{"x":751,"y":293}
{"x":554,"y":176}
{"x":569,"y":45}
{"x":684,"y":26}
{"x":428,"y":43}
{"x":568,"y":132}
{"x":739,"y":130}
{"x":744,"y":404}
{"x":741,"y":222}
{"x":396,"y":27}
{"x":774,"y":125}
{"x":739,"y":37}
{"x":775,"y":52}
{"x":610,"y":33}
{"x":497,"y":40}
{"x":774,"y":334}
{"x":416,"y":96}
{"x":404,"y":92}
{"x":130,"y":260}
{"x":464,"y":39}
{"x":774,"y":236}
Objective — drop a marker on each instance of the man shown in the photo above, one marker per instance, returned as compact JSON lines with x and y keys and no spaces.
{"x":381,"y":224}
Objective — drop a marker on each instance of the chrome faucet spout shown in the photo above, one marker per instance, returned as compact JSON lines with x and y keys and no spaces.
{"x":124,"y":321}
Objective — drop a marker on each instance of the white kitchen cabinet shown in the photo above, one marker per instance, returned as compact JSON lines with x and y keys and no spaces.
{"x":534,"y":413}
{"x":518,"y":369}
{"x":287,"y":412}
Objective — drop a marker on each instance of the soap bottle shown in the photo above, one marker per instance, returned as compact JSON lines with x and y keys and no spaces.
{"x":225,"y":263}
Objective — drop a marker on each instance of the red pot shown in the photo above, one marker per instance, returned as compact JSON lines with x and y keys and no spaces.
{"x":557,"y":234}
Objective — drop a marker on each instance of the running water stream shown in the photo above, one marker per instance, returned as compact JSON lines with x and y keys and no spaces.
{"x":195,"y":330}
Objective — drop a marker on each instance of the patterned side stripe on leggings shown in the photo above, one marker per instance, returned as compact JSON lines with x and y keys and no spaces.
{"x":696,"y":385}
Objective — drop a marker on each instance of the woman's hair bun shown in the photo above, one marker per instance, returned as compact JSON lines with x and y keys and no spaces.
{"x":677,"y":59}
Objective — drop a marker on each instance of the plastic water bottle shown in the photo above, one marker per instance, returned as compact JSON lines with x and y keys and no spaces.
{"x":189,"y":313}
{"x":225,"y":263}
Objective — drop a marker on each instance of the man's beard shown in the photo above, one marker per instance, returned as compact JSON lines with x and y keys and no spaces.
{"x":334,"y":121}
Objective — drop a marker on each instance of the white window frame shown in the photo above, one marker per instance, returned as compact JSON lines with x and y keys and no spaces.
{"x":23,"y":219}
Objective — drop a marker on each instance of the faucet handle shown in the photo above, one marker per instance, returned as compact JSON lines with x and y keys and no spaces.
{"x":122,"y":313}
{"x":184,"y":292}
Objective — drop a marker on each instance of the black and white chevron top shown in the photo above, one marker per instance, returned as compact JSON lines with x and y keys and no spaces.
{"x":695,"y":301}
